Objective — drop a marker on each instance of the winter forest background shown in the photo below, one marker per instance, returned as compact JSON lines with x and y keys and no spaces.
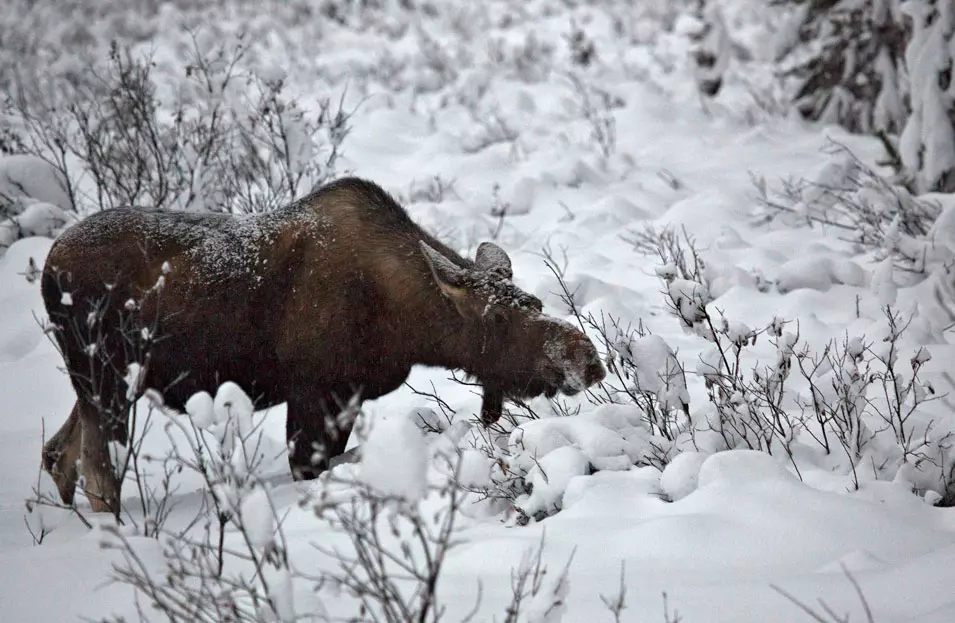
{"x":747,"y":204}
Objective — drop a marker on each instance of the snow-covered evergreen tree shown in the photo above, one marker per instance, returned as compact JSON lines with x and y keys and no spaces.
{"x":927,"y":145}
{"x":712,"y":48}
{"x":847,"y":58}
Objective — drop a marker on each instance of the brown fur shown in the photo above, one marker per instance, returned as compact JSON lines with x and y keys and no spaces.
{"x":328,"y":296}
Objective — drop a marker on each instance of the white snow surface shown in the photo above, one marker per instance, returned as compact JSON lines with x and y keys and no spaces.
{"x":713,"y":531}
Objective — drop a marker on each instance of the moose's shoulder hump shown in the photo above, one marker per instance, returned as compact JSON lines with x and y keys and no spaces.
{"x":370,"y":199}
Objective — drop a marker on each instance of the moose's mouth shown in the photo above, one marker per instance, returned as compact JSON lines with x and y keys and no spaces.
{"x":563,"y":387}
{"x":571,"y":384}
{"x":569,"y":390}
{"x":559,"y":381}
{"x":568,"y":385}
{"x":492,"y":406}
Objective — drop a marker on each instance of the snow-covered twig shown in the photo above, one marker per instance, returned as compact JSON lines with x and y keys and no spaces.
{"x":616,"y":603}
{"x":825,"y":613}
{"x":864,"y":206}
{"x":598,"y":114}
{"x":538,"y":598}
{"x":204,"y":577}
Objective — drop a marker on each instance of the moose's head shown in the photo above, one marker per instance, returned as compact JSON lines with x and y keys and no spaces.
{"x":514,"y":350}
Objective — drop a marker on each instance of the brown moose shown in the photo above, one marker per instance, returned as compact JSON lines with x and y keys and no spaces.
{"x":337,"y":293}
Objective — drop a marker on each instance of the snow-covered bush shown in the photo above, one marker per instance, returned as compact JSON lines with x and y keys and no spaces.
{"x":34,"y":199}
{"x":883,"y":67}
{"x":866,"y":207}
{"x":531,"y":59}
{"x":711,"y":50}
{"x":846,"y":58}
{"x":582,"y":49}
{"x":217,"y":137}
{"x":389,"y":491}
{"x":862,"y":402}
{"x":415,"y":491}
{"x":113,"y":391}
{"x":596,"y":107}
{"x":209,"y":574}
{"x":853,"y":399}
{"x":910,"y":236}
{"x":397,"y":506}
{"x":746,"y":410}
{"x":10,"y":142}
{"x":652,"y":377}
{"x":927,"y":144}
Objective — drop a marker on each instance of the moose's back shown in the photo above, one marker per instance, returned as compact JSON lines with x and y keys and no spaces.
{"x":199,"y":293}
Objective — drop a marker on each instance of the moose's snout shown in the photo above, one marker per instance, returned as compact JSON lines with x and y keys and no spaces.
{"x":582,"y":366}
{"x":593,"y":371}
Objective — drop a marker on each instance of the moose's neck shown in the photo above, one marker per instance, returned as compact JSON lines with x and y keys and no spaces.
{"x":429,"y":328}
{"x":444,"y":338}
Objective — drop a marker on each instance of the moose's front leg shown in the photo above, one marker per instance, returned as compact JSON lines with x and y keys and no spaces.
{"x":492,"y":406}
{"x":317,"y":430}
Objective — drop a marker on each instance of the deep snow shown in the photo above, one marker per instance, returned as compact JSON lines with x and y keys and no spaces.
{"x":739,"y":520}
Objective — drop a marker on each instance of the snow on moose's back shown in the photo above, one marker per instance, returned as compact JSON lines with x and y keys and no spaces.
{"x":218,"y":246}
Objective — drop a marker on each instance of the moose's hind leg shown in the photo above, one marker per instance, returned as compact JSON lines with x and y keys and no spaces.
{"x":61,"y":453}
{"x":100,"y":483}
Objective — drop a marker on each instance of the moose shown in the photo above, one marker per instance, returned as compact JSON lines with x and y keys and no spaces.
{"x":333,"y":296}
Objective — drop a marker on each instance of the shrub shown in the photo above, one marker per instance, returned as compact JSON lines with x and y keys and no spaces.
{"x":865,"y":95}
{"x":230,"y":140}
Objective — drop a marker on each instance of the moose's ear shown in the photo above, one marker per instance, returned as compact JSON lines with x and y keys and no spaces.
{"x":444,"y":270}
{"x":492,"y":258}
{"x":449,"y":277}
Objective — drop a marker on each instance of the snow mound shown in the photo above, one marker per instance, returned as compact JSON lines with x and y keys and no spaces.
{"x":474,"y":470}
{"x":740,"y":467}
{"x":681,"y":476}
{"x":31,"y":179}
{"x":233,"y":404}
{"x":20,"y":298}
{"x":394,"y":459}
{"x":258,"y":518}
{"x":549,"y":478}
{"x":521,"y":197}
{"x":819,"y":273}
{"x":43,"y":219}
{"x":601,"y":446}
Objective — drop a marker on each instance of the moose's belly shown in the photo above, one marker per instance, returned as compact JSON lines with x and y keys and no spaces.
{"x":191,"y":356}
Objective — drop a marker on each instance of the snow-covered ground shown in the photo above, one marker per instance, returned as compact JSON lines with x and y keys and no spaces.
{"x":477,"y":99}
